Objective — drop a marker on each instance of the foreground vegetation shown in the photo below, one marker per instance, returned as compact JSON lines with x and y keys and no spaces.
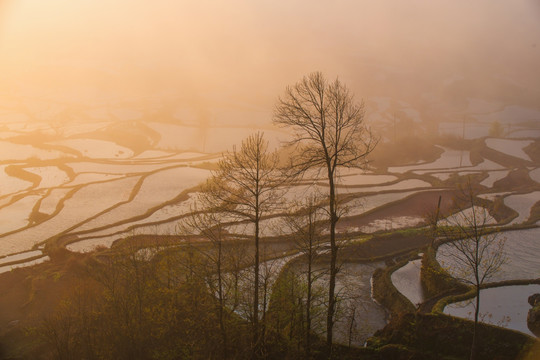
{"x":126,"y":303}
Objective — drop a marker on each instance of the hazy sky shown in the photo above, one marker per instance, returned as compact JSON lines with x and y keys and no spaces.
{"x":247,"y":51}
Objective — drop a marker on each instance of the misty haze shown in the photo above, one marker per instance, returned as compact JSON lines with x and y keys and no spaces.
{"x":257,"y":180}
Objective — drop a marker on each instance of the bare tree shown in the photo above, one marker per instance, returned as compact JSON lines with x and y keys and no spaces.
{"x":206,"y":221}
{"x":305,"y":222}
{"x":476,"y":251}
{"x":330,"y":133}
{"x":247,"y":185}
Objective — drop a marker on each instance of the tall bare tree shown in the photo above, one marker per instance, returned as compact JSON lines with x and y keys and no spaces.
{"x":247,"y":185}
{"x":476,"y":251}
{"x":330,"y":133}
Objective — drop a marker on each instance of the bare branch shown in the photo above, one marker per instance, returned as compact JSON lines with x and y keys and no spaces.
{"x":330,"y":133}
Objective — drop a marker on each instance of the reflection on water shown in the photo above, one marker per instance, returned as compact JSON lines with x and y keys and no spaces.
{"x":406,"y":279}
{"x":20,"y":256}
{"x":522,"y":204}
{"x":448,"y":159}
{"x":7,"y":268}
{"x":356,"y":306}
{"x":505,"y":306}
{"x":522,"y":249}
{"x":494,"y":176}
{"x":510,"y":147}
{"x":357,"y":315}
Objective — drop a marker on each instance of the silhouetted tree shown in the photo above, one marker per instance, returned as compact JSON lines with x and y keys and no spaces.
{"x":127,"y":309}
{"x":477,"y":250}
{"x":247,"y":185}
{"x":207,"y":223}
{"x":330,"y":133}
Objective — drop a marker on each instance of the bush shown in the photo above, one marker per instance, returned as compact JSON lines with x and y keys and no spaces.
{"x":435,"y":280}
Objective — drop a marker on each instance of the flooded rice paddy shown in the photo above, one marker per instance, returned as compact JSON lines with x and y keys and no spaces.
{"x":522,"y":250}
{"x":510,"y":147}
{"x":522,"y":204}
{"x":504,"y":306}
{"x":406,"y":279}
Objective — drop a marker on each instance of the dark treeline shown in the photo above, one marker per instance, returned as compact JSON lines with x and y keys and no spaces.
{"x":151,"y":304}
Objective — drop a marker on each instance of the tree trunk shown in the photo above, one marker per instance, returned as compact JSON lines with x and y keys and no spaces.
{"x":474,"y":346}
{"x":256,"y":292}
{"x":221,"y":314}
{"x":351,"y":327}
{"x":333,"y":266}
{"x":308,"y":304}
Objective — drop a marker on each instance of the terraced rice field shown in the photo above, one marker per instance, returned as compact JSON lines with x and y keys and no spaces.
{"x":106,"y":193}
{"x":92,"y":192}
{"x":406,"y":279}
{"x":522,"y":204}
{"x":510,"y":147}
{"x":7,"y":268}
{"x":535,"y":175}
{"x":391,"y":223}
{"x":353,"y":285}
{"x":494,"y":176}
{"x":449,"y":159}
{"x":356,"y":306}
{"x":468,"y":217}
{"x":505,"y":306}
{"x":522,"y":251}
{"x":97,"y":149}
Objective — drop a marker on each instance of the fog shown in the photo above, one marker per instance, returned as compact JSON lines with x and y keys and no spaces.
{"x":198,"y":57}
{"x":115,"y":113}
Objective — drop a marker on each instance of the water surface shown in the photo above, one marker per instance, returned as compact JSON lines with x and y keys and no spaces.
{"x":406,"y":279}
{"x":505,"y":306}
